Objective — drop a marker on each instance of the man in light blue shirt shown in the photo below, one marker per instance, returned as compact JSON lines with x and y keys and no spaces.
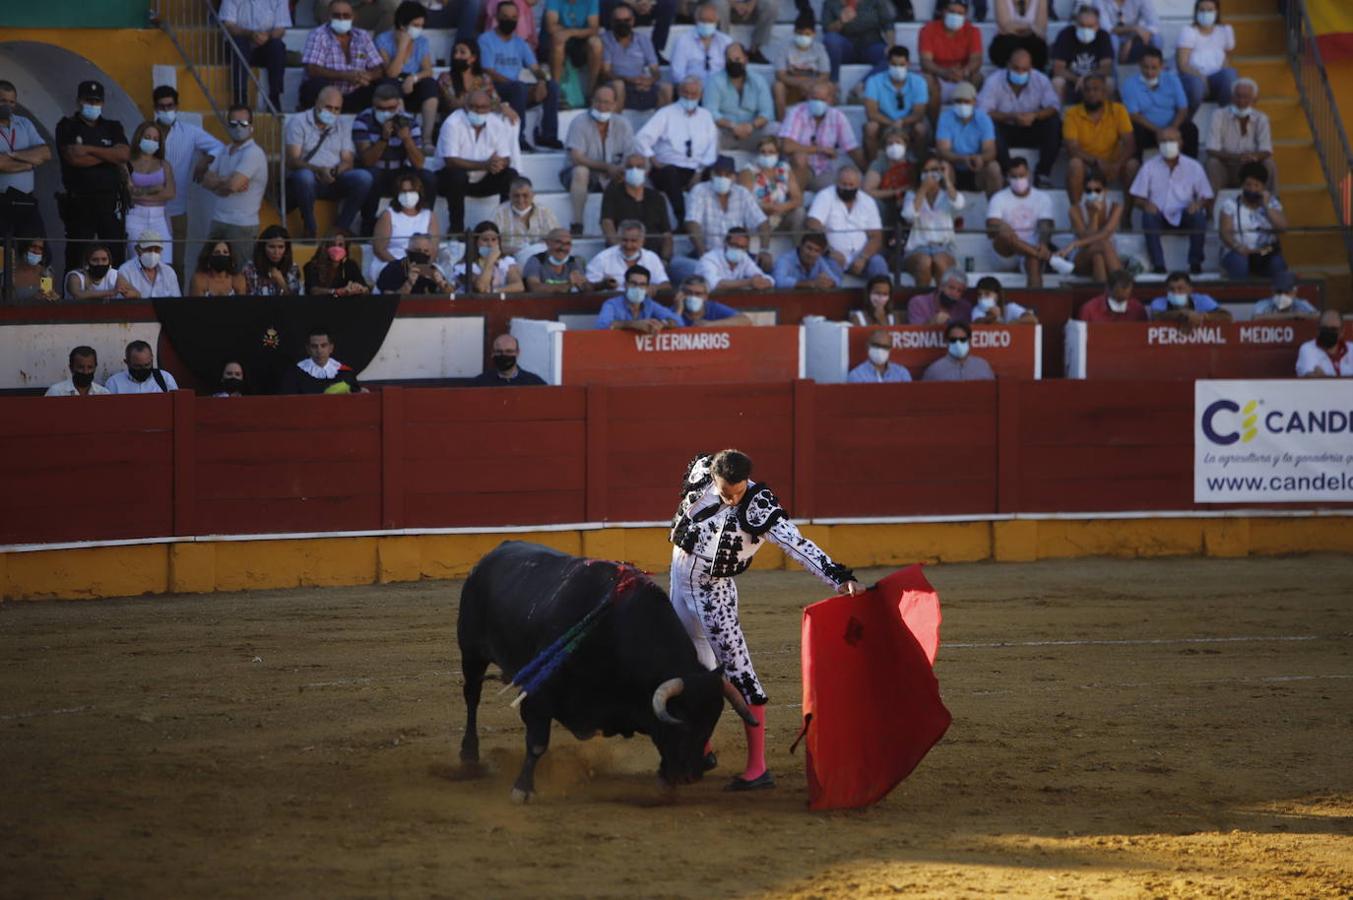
{"x":183,"y":142}
{"x":805,"y":267}
{"x":1284,"y":304}
{"x":1182,"y":304}
{"x":635,"y":310}
{"x":896,"y":98}
{"x":740,"y":102}
{"x":503,"y":54}
{"x":966,"y":138}
{"x":878,"y":368}
{"x":1155,"y":101}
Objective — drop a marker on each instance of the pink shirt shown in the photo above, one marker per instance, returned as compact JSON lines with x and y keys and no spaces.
{"x":832,"y":130}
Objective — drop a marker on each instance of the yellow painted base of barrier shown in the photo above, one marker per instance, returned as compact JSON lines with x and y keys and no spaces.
{"x":206,"y":566}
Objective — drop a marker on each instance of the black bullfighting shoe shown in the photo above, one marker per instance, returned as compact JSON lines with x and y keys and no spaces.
{"x":711,"y":761}
{"x":761,"y":782}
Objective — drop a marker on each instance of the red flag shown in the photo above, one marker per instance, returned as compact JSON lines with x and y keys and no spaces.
{"x":871,"y":703}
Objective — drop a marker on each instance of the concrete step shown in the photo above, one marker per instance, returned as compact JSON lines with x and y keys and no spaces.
{"x":1287,"y":117}
{"x":1258,"y":34}
{"x":1308,"y":205}
{"x":1298,"y":162}
{"x":1315,"y":249}
{"x":1273,"y":73}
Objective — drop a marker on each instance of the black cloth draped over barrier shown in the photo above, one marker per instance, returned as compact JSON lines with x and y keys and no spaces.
{"x":267,"y":335}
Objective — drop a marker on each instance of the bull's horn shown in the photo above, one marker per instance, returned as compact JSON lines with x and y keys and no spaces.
{"x":739,"y":704}
{"x":665,"y":692}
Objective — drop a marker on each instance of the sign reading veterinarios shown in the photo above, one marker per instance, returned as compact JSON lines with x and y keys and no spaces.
{"x":1273,"y":441}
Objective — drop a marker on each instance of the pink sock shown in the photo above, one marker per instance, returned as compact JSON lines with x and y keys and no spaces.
{"x":709,"y":747}
{"x":756,"y":745}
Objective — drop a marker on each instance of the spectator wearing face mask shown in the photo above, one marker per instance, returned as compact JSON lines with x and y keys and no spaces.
{"x":1327,"y":354}
{"x":951,"y":55}
{"x":505,"y":372}
{"x":891,"y":175}
{"x":1024,"y":107}
{"x":1250,"y":225}
{"x":966,"y":139}
{"x":636,"y":310}
{"x":992,"y":308}
{"x":216,"y":275}
{"x":878,"y":367}
{"x":408,"y":62}
{"x":150,"y":184}
{"x":851,"y":222}
{"x":1239,"y":135}
{"x":800,"y":62}
{"x":480,"y":156}
{"x":321,"y":165}
{"x":331,"y":272}
{"x":702,"y":51}
{"x":1082,"y":48}
{"x":896,"y":101}
{"x":929,"y":209}
{"x":944,"y":304}
{"x":97,"y":279}
{"x":1155,"y":100}
{"x":1174,"y":195}
{"x":487,"y":267}
{"x":521,"y":221}
{"x":817,"y":138}
{"x":141,"y":376}
{"x":1020,"y":222}
{"x":696,"y":309}
{"x":1183,"y":304}
{"x":630,"y":64}
{"x":232,"y":380}
{"x":32,"y":274}
{"x":415,"y":272}
{"x":342,"y":57}
{"x":93,"y":153}
{"x":1098,"y":136}
{"x":598,"y":144}
{"x":876,"y":305}
{"x":146,"y":274}
{"x":238,"y":176}
{"x":718,"y":207}
{"x":388,"y":144}
{"x":629,"y":199}
{"x":771,"y":180}
{"x":740,"y":102}
{"x":1201,"y":56}
{"x":607,"y":269}
{"x":1095,"y":222}
{"x":1284,"y":303}
{"x":1116,"y":304}
{"x":731,"y":267}
{"x":958,"y":364}
{"x":505,"y":55}
{"x":681,"y":140}
{"x":555,"y":270}
{"x":84,"y":362}
{"x":189,"y":150}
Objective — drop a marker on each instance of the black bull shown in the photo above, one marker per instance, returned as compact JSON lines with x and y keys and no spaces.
{"x":636,"y":671}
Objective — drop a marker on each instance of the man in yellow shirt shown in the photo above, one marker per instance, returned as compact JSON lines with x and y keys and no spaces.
{"x":1097,"y":134}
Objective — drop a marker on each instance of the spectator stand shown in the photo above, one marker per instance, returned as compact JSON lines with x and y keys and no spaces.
{"x":834,"y":348}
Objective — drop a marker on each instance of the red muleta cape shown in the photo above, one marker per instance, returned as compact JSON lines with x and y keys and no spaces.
{"x":871,"y":703}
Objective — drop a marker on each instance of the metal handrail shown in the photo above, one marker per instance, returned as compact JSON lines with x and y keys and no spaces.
{"x":203,"y":42}
{"x":1331,"y":139}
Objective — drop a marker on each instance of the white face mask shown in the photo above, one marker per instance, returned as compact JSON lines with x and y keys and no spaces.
{"x":1020,"y":185}
{"x":522,"y":213}
{"x":1240,"y":113}
{"x":897,"y":152}
{"x":1207,"y":18}
{"x":149,"y":259}
{"x":149,"y":146}
{"x":963,"y":110}
{"x":953,"y":21}
{"x":694,"y":304}
{"x":878,"y":355}
{"x":1118,"y":306}
{"x":1151,"y":82}
{"x":986,"y":303}
{"x":408,"y":199}
{"x":803,"y":41}
{"x":166,"y":116}
{"x":1093,"y":197}
{"x":1178,"y":300}
{"x":898,"y":73}
{"x":415,"y":32}
{"x":1169,"y":149}
{"x":768,"y":160}
{"x":722,"y":184}
{"x":1086,"y":35}
{"x":1282,"y":301}
{"x":340,"y":26}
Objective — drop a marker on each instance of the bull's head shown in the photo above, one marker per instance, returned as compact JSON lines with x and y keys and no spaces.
{"x":687,"y":710}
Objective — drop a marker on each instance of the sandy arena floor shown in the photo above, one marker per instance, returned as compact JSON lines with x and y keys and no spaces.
{"x":1150,"y":728}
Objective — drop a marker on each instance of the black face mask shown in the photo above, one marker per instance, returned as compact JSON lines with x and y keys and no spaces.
{"x":1094,"y":107}
{"x":622,"y":29}
{"x":232,"y":385}
{"x":507,"y":26}
{"x":417,"y":257}
{"x":1327,"y":337}
{"x":6,"y":110}
{"x":504,"y":363}
{"x":460,"y":65}
{"x":1252,"y":196}
{"x":847,"y":194}
{"x":97,"y":272}
{"x":218,"y":263}
{"x":736,"y":69}
{"x":139,"y":373}
{"x":82,"y":379}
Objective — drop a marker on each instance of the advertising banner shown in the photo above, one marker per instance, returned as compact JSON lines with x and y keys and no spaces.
{"x":1273,"y":441}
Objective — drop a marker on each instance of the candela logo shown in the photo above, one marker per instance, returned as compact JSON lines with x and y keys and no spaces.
{"x":1249,"y":419}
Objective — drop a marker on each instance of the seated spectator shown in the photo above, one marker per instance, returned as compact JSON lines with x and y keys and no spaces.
{"x":1116,"y":304}
{"x":636,"y":310}
{"x":700,"y":52}
{"x":141,"y":376}
{"x":374,"y":16}
{"x":150,"y":184}
{"x":800,"y":63}
{"x":521,"y":221}
{"x":84,"y":362}
{"x":1173,"y":193}
{"x":416,"y":272}
{"x":630,"y":64}
{"x":607,"y":269}
{"x":272,"y":272}
{"x":658,"y":13}
{"x":740,"y":102}
{"x":1098,"y":135}
{"x":1284,"y":304}
{"x":256,"y":29}
{"x":1155,"y":100}
{"x":556,"y":270}
{"x":232,"y":380}
{"x":760,"y":14}
{"x":597,"y":146}
{"x":1182,"y":304}
{"x":877,"y":305}
{"x":992,"y":307}
{"x":332,"y":272}
{"x":772,"y":182}
{"x":1250,"y":225}
{"x":1095,"y":221}
{"x":879,"y":368}
{"x":1200,"y":56}
{"x":487,"y":268}
{"x":1020,"y":220}
{"x":410,"y":213}
{"x":505,"y":371}
{"x":1327,"y":354}
{"x":1237,"y":135}
{"x":505,"y":55}
{"x":806,"y":267}
{"x":1082,"y":48}
{"x":943,"y":304}
{"x":856,"y":31}
{"x":715,"y":208}
{"x":320,"y":165}
{"x":574,"y":31}
{"x":238,"y":177}
{"x":216,"y":275}
{"x":145,"y":274}
{"x":951,"y":56}
{"x":1132,"y":24}
{"x":25,"y":150}
{"x":731,"y":267}
{"x":958,"y":364}
{"x":631,"y":200}
{"x":339,"y":56}
{"x":966,"y":139}
{"x":891,"y":175}
{"x":408,"y":62}
{"x":896,"y":100}
{"x":388,"y":144}
{"x":1024,"y":107}
{"x":681,"y":140}
{"x":466,"y":76}
{"x":480,"y":155}
{"x":319,"y":372}
{"x":97,"y":279}
{"x":33,"y":273}
{"x":693,"y":306}
{"x":932,"y":244}
{"x":851,"y":222}
{"x":817,"y":136}
{"x":526,"y":22}
{"x":1020,"y":25}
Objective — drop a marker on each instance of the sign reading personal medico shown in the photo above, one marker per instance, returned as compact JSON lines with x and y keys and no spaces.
{"x":1273,"y":441}
{"x":1169,"y":350}
{"x":684,"y":356}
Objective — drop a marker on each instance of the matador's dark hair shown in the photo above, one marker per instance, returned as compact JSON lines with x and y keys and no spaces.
{"x":732,"y":466}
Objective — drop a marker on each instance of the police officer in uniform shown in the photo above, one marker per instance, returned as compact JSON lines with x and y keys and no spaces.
{"x":94,"y":153}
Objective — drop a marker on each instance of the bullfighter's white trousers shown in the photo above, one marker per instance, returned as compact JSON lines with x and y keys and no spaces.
{"x":708,"y":608}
